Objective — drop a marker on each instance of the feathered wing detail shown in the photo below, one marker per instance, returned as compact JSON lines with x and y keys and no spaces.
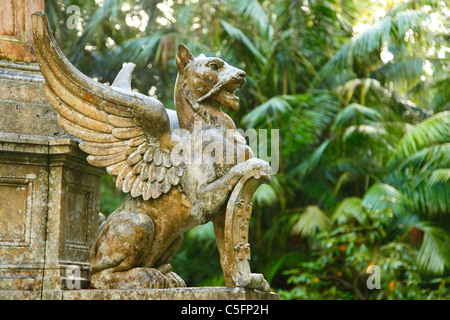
{"x":120,"y":130}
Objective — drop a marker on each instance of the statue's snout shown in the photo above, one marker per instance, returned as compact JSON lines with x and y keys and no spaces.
{"x":241,"y":73}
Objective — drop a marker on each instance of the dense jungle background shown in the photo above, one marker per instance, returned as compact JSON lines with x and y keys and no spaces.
{"x":360,"y":93}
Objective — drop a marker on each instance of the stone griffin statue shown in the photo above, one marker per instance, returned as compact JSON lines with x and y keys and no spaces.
{"x":134,"y":137}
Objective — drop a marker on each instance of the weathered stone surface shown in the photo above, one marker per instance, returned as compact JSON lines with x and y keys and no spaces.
{"x":20,"y":295}
{"x":23,"y":105}
{"x":199,"y":293}
{"x":23,"y":212}
{"x":49,"y":205}
{"x":15,"y":29}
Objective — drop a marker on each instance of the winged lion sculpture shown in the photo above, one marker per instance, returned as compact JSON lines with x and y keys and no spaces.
{"x":148,"y":148}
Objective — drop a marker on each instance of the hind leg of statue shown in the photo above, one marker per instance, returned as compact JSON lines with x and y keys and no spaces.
{"x":116,"y":258}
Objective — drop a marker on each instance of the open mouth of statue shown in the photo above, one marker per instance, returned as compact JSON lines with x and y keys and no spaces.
{"x":226,"y":96}
{"x":230,"y":89}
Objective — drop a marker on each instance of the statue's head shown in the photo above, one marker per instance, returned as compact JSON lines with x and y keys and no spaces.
{"x":209,"y":78}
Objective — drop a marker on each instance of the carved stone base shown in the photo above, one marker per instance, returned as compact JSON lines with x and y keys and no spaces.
{"x":48,"y":214}
{"x":197,"y":293}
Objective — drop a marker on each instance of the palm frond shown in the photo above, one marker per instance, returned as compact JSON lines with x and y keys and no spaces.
{"x":109,"y":10}
{"x":289,"y":260}
{"x":347,"y":90}
{"x":204,"y":232}
{"x":311,"y":221}
{"x":441,"y":99}
{"x":273,"y":107}
{"x":268,"y":194}
{"x":389,"y":29}
{"x":403,"y":72}
{"x":439,"y":176}
{"x":342,"y":180}
{"x":434,"y":255}
{"x":312,"y":161}
{"x":140,"y":50}
{"x":253,"y":10}
{"x":406,"y":20}
{"x":348,"y":209}
{"x":430,"y":192}
{"x":382,"y":198}
{"x":432,"y":130}
{"x":239,"y":36}
{"x":429,"y":157}
{"x":375,"y":132}
{"x":352,"y":111}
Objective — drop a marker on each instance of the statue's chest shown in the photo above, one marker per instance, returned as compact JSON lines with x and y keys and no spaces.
{"x":213,"y":120}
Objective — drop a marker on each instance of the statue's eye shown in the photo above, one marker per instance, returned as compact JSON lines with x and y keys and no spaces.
{"x":213,"y":66}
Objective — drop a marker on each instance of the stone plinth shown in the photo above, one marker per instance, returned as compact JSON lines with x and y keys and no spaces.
{"x":199,"y":293}
{"x":24,"y":109}
{"x":49,"y":206}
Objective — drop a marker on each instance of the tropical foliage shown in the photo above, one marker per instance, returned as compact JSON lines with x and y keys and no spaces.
{"x":359,"y":91}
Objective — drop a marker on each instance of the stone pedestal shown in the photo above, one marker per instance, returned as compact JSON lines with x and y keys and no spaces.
{"x":200,"y":293}
{"x":49,"y":194}
{"x":49,"y":206}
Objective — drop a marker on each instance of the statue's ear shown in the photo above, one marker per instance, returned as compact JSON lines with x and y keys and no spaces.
{"x":184,"y":57}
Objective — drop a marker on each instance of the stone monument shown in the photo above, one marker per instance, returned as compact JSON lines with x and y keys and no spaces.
{"x":171,"y":164}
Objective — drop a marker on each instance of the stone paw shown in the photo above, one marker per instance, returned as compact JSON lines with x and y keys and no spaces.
{"x":258,"y":282}
{"x":173,"y":279}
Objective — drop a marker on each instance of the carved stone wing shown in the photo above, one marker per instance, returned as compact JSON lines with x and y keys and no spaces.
{"x":122,"y":131}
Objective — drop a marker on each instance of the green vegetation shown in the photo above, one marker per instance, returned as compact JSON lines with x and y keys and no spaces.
{"x":360,"y":93}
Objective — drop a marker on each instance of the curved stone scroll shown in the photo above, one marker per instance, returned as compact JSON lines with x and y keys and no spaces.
{"x":236,"y":247}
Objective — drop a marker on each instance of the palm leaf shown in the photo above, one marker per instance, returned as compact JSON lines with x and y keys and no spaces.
{"x":348,"y":209}
{"x":352,"y":111}
{"x":268,"y":194}
{"x":432,"y":130}
{"x":239,"y":36}
{"x":430,"y":192}
{"x":204,"y":232}
{"x":311,"y":221}
{"x":382,"y":197}
{"x":391,"y":27}
{"x":252,"y":9}
{"x":107,"y":12}
{"x":140,"y":50}
{"x":312,"y":161}
{"x":273,"y":107}
{"x":439,"y":176}
{"x":435,"y":155}
{"x":434,"y":253}
{"x":375,"y":132}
